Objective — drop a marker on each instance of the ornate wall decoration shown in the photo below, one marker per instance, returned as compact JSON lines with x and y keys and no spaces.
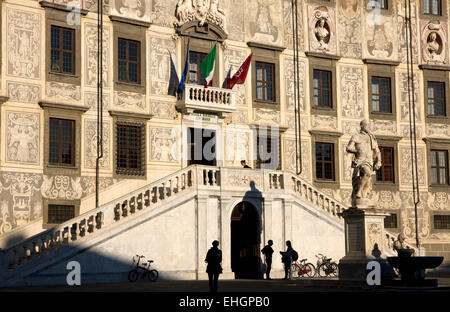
{"x":401,"y":29}
{"x":349,"y":26}
{"x":405,"y":131}
{"x":387,"y":200}
{"x":233,"y":59}
{"x":383,"y":126}
{"x":161,"y":52}
{"x":23,"y":44}
{"x":290,"y":121}
{"x":63,"y":91}
{"x":265,"y":21}
{"x":352,"y":92}
{"x":374,"y":236}
{"x":290,"y":157}
{"x":404,"y":103}
{"x":88,"y":184}
{"x":439,"y":201}
{"x":129,"y":100}
{"x":235,"y":15}
{"x":23,"y":92}
{"x":324,"y":122}
{"x":287,"y":24}
{"x":379,"y":43}
{"x":164,"y":110}
{"x":237,"y":147}
{"x":92,"y":5}
{"x":405,"y":165}
{"x":90,"y":98}
{"x":19,"y":200}
{"x":322,"y":29}
{"x":90,"y":35}
{"x":243,"y":181}
{"x":438,"y":130}
{"x":163,"y":12}
{"x":61,"y":187}
{"x":350,"y":127}
{"x":90,"y":144}
{"x":408,"y":223}
{"x":133,"y":9}
{"x":434,"y":42}
{"x":203,"y":11}
{"x":260,"y":114}
{"x":163,"y":144}
{"x":22,"y":137}
{"x":240,"y":117}
{"x":347,"y":170}
{"x":289,"y":82}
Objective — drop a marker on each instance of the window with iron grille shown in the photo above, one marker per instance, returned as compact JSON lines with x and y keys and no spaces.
{"x":129,"y":61}
{"x":265,"y":83}
{"x":436,"y":98}
{"x":439,"y":166}
{"x":129,"y":149}
{"x":62,"y":55}
{"x":386,"y":172}
{"x":60,"y":213}
{"x":322,"y":88}
{"x":433,"y":7}
{"x":62,"y":142}
{"x":442,"y":222}
{"x":325,"y":161}
{"x":195,"y":75}
{"x":381,"y":94}
{"x":390,"y":222}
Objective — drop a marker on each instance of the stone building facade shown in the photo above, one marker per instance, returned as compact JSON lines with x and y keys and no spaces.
{"x":348,"y":41}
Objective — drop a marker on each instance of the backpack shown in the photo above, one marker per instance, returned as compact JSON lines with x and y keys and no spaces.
{"x":294,"y":255}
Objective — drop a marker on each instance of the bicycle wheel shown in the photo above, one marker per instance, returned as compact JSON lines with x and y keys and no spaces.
{"x":334,"y":269}
{"x":322,"y":270}
{"x":133,"y":275}
{"x":153,"y":275}
{"x":310,"y":270}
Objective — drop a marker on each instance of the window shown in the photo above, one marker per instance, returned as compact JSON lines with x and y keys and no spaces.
{"x":390,"y":222}
{"x":62,"y":142}
{"x":386,"y":172}
{"x":195,"y":75}
{"x":432,"y":7}
{"x":60,"y":213}
{"x":439,"y":166}
{"x":436,"y":98}
{"x":381,"y":94}
{"x":324,"y":161}
{"x":265,"y":81}
{"x":322,"y":88}
{"x":383,"y":4}
{"x":128,"y":148}
{"x":129,"y":61}
{"x":268,"y":151}
{"x":442,"y":222}
{"x":62,"y":57}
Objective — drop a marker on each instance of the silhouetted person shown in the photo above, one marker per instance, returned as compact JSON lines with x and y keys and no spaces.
{"x":267,"y":252}
{"x":287,"y":260}
{"x":214,"y":259}
{"x":244,"y":164}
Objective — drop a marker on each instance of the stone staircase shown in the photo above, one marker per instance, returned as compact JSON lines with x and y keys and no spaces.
{"x":156,"y":200}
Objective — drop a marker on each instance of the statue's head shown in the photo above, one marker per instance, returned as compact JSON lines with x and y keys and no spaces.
{"x":401,"y":238}
{"x":365,"y":125}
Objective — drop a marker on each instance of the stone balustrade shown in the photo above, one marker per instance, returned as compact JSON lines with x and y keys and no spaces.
{"x":213,"y":100}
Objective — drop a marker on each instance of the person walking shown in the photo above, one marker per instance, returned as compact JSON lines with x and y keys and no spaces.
{"x":214,"y":268}
{"x":267,"y":251}
{"x":286,"y":258}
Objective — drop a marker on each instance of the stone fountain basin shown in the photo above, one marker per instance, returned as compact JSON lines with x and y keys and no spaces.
{"x":414,"y":263}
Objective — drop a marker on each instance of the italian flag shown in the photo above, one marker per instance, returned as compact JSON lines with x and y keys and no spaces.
{"x":208,"y":65}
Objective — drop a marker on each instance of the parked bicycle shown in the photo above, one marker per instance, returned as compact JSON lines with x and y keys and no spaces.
{"x":302,"y":268}
{"x":151,"y":274}
{"x":326,"y":267}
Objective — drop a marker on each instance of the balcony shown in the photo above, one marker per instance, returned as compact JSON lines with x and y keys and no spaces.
{"x":207,"y":100}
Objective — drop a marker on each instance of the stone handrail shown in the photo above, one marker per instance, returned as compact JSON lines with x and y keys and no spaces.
{"x":210,"y":99}
{"x":96,"y":219}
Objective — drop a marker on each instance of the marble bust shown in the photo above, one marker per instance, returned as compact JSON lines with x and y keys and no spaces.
{"x":433,"y":45}
{"x":321,"y":33}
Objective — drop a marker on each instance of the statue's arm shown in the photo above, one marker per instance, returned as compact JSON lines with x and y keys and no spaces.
{"x":351,"y":147}
{"x":377,"y":157}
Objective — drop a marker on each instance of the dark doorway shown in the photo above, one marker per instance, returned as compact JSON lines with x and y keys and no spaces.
{"x":244,"y":241}
{"x":201,"y":147}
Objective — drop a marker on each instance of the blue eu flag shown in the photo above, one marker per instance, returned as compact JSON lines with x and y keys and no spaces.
{"x":183,"y":78}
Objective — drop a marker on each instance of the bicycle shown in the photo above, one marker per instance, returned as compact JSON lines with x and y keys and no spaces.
{"x":304,"y":268}
{"x":326,"y":267}
{"x":152,"y":274}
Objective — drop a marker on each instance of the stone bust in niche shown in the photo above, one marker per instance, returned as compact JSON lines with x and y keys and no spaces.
{"x":433,"y":45}
{"x":322,"y":33}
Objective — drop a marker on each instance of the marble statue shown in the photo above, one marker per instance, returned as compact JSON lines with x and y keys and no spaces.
{"x":433,"y":45}
{"x":321,"y":33}
{"x":366,"y":160}
{"x":401,"y":248}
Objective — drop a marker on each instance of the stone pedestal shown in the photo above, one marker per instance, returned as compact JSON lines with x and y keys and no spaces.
{"x":364,"y":242}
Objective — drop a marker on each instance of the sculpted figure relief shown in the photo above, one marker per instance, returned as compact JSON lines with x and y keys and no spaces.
{"x":205,"y":11}
{"x":366,"y":160}
{"x":433,"y":45}
{"x":322,"y":34}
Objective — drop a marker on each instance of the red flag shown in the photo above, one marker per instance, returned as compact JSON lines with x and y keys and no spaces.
{"x":241,"y":74}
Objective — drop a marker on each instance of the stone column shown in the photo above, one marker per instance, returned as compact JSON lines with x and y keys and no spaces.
{"x":364,"y":242}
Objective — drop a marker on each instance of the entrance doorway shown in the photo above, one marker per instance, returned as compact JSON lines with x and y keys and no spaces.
{"x":244,"y":241}
{"x":201,"y":147}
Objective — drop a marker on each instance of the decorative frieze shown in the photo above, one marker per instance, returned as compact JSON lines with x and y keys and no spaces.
{"x":162,"y":68}
{"x":63,"y":91}
{"x":23,"y":92}
{"x":352,"y":92}
{"x":91,"y":51}
{"x":90,"y":144}
{"x":22,"y":137}
{"x":163,"y":145}
{"x":350,"y":30}
{"x":61,"y":187}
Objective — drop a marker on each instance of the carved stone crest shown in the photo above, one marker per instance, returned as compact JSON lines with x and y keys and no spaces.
{"x":204,"y":11}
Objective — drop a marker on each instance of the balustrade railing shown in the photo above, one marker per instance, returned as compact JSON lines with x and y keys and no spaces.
{"x":208,"y":99}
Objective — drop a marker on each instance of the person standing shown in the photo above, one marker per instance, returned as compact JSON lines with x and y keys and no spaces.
{"x":244,"y":164}
{"x":287,"y":260}
{"x":267,"y":252}
{"x":214,"y":268}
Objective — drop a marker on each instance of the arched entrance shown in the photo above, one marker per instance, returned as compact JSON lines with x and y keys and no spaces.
{"x":245,"y":241}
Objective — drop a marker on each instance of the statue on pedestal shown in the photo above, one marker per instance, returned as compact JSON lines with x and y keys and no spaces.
{"x":401,"y":248}
{"x":366,"y":160}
